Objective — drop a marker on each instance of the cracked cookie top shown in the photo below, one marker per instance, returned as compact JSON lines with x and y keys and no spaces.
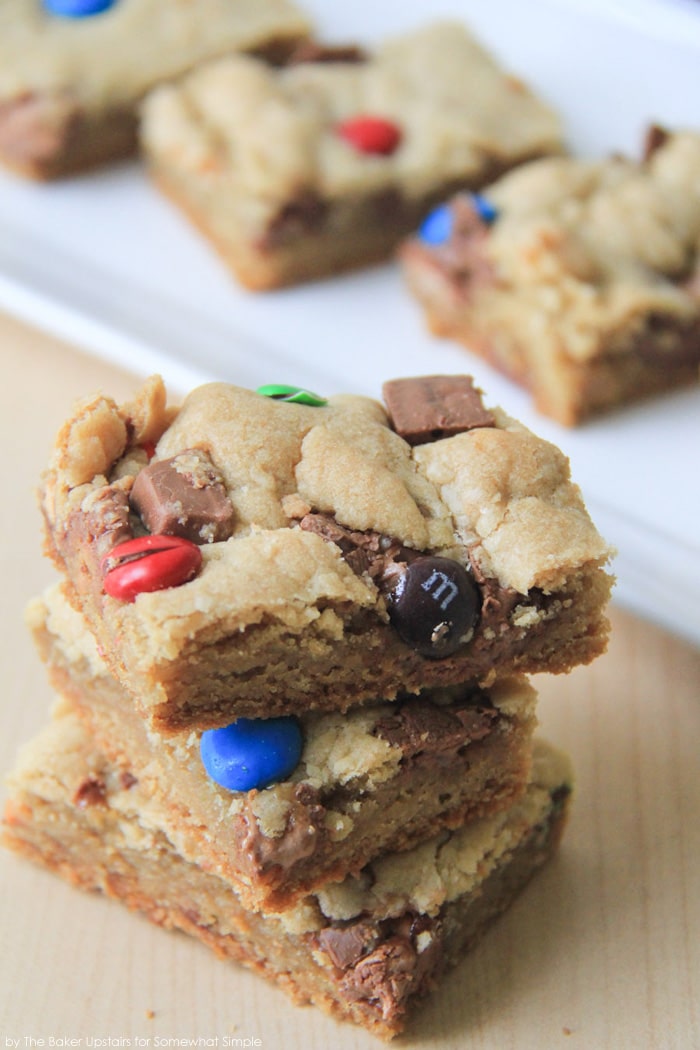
{"x":494,"y":493}
{"x":425,"y":108}
{"x":591,"y":255}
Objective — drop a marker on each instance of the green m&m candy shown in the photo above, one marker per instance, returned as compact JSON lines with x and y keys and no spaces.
{"x":295,"y":394}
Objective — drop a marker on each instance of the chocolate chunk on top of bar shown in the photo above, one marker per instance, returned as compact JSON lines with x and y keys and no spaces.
{"x":655,"y":137}
{"x":184,"y":496}
{"x":427,"y":408}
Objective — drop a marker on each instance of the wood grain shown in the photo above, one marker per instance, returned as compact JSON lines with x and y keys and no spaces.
{"x":602,"y":952}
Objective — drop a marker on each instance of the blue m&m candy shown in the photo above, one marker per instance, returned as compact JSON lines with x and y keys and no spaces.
{"x":78,"y":8}
{"x":252,"y":752}
{"x":483,"y":208}
{"x":436,"y":228}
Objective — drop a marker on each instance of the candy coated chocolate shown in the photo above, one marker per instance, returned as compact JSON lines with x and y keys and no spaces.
{"x":252,"y":752}
{"x":436,"y":228}
{"x":149,"y":563}
{"x":370,"y":134}
{"x":295,"y":394}
{"x":78,"y":8}
{"x":483,"y":208}
{"x":427,"y":408}
{"x":433,"y":605}
{"x":184,"y":496}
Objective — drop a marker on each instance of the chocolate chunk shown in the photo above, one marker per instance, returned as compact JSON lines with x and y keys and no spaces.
{"x":184,"y":496}
{"x":428,"y":408}
{"x":107,"y":520}
{"x":35,"y":127}
{"x":420,"y":727}
{"x":127,"y":780}
{"x":691,"y":285}
{"x":311,"y":51}
{"x":303,"y":832}
{"x":655,"y":138}
{"x":388,"y":206}
{"x":384,"y":976}
{"x":92,"y":791}
{"x":347,"y":944}
{"x":367,"y":552}
{"x":303,"y":214}
{"x":433,"y":604}
{"x":669,"y":342}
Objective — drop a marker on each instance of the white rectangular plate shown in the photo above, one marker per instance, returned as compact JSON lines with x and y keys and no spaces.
{"x":105,"y":262}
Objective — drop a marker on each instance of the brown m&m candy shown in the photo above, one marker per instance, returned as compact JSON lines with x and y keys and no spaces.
{"x":433,"y":604}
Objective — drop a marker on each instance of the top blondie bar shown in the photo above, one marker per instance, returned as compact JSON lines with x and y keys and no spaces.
{"x":258,"y":553}
{"x":71,"y":77}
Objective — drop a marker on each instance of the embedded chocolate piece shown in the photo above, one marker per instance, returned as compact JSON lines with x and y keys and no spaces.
{"x":303,"y":830}
{"x":655,"y":138}
{"x":184,"y":496}
{"x":35,"y":127}
{"x":428,"y":408}
{"x":305,"y":213}
{"x":106,"y":523}
{"x":92,"y":791}
{"x":670,"y":343}
{"x":692,"y":284}
{"x":422,"y":728}
{"x":346,"y":945}
{"x":433,"y":604}
{"x":311,"y":51}
{"x":385,"y":974}
{"x":367,"y":552}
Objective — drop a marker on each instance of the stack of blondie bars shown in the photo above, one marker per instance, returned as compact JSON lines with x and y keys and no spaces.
{"x":290,"y":641}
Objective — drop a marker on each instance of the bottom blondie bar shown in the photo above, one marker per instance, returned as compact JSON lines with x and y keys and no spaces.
{"x":363,"y":950}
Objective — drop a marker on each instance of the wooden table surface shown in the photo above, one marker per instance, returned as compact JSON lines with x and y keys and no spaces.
{"x":601,"y":952}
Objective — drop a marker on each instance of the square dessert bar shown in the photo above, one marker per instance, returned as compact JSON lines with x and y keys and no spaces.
{"x":323,"y":165}
{"x":578,"y":279}
{"x":365,"y":950}
{"x":378,"y":778}
{"x":71,"y":80}
{"x":262,"y":553}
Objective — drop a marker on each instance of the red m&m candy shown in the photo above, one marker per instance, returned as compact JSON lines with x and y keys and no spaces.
{"x":149,"y":563}
{"x":370,"y":134}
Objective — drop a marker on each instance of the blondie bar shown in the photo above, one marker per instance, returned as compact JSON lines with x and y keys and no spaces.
{"x":70,"y":86}
{"x":378,"y":778}
{"x":365,"y":950}
{"x":323,"y":165}
{"x":274,"y":556}
{"x":578,"y":279}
